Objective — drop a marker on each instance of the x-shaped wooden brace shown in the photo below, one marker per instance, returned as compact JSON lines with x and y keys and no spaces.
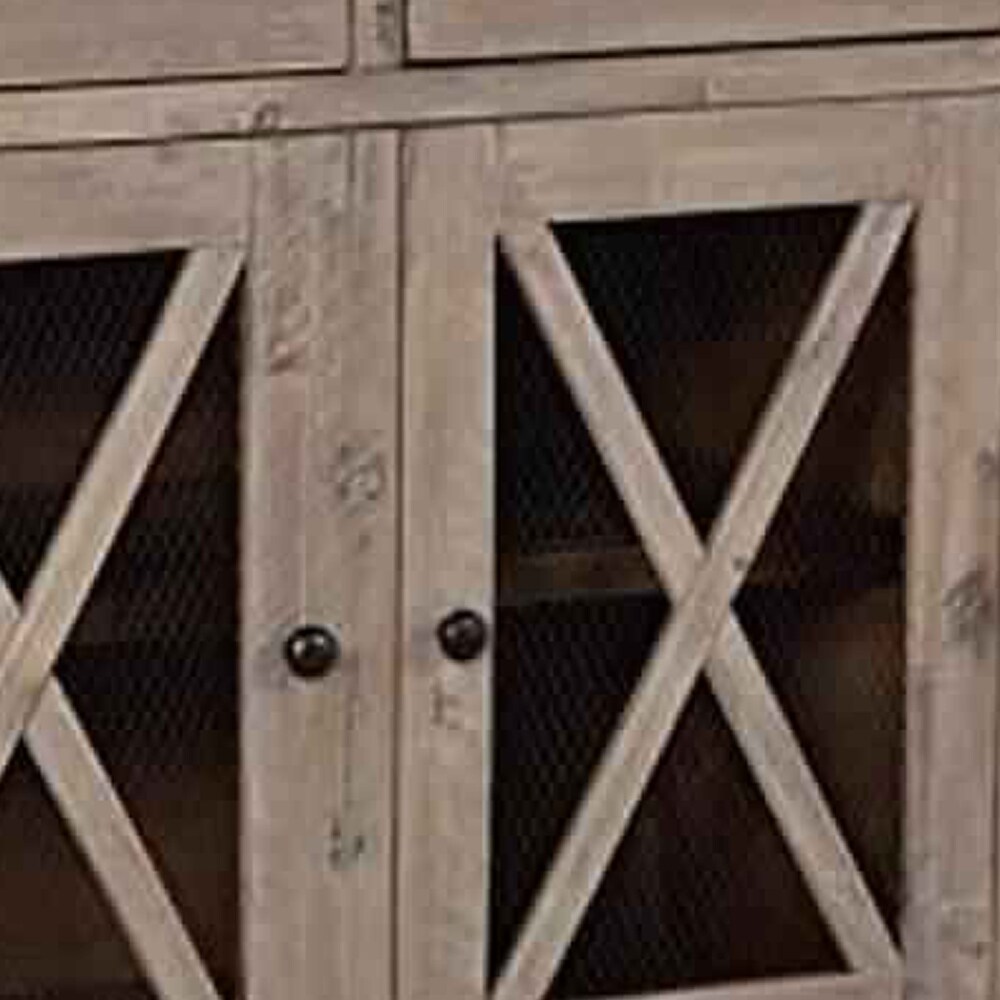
{"x":33,"y":703}
{"x":702,"y":633}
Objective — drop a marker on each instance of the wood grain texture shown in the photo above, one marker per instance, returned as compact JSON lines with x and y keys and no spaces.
{"x":852,"y":987}
{"x":456,"y":95}
{"x":379,"y":30}
{"x":320,"y":547}
{"x":59,"y":41}
{"x":692,"y":631}
{"x":952,"y":635}
{"x":107,"y":201}
{"x":655,"y":164}
{"x":451,"y":219}
{"x":482,"y":29}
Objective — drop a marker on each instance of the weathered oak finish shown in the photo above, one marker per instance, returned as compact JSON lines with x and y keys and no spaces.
{"x":855,"y":987}
{"x":483,"y":29}
{"x":320,"y":548}
{"x":953,"y":558}
{"x":889,"y":157}
{"x":462,"y":95}
{"x":60,"y":203}
{"x":452,"y":205}
{"x":640,"y":165}
{"x":60,"y":41}
{"x":368,"y":445}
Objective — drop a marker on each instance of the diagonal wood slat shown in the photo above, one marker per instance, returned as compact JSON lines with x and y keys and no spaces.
{"x":100,"y":823}
{"x":101,"y":826}
{"x":109,"y":485}
{"x":86,"y":798}
{"x":691,"y":635}
{"x":675,"y":549}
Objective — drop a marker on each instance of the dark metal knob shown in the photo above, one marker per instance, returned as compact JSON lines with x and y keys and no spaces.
{"x":312,"y":652}
{"x":463,"y":635}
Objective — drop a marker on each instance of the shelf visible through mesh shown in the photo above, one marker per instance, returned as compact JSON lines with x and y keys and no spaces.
{"x":151,"y":665}
{"x":701,"y":314}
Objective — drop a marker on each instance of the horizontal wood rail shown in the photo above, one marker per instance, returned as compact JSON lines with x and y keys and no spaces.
{"x":215,"y":109}
{"x":848,"y":987}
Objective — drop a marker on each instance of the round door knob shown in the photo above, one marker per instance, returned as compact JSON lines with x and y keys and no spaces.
{"x":312,"y":652}
{"x":463,"y":635}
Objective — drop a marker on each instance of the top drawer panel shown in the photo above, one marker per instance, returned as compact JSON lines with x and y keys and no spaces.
{"x":71,"y":41}
{"x":487,"y":29}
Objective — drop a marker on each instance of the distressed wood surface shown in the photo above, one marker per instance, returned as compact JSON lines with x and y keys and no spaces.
{"x":108,"y":201}
{"x":379,"y":34}
{"x":850,"y":987}
{"x":455,"y":95}
{"x":319,"y":542}
{"x":451,"y":218}
{"x":953,"y":561}
{"x":656,"y":164}
{"x":483,"y":29}
{"x":60,"y":41}
{"x":692,"y":631}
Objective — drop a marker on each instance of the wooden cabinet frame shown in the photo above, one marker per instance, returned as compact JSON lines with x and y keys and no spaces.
{"x":908,"y":165}
{"x":367,"y":260}
{"x":308,"y":225}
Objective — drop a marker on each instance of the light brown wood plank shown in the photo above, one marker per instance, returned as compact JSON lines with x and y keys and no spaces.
{"x":275,"y":423}
{"x":952,"y":578}
{"x":109,"y":485}
{"x":64,"y":203}
{"x":676,"y":662}
{"x":55,"y":41}
{"x":320,"y":549}
{"x":874,"y":74}
{"x":482,"y":29}
{"x":451,"y":219}
{"x":656,"y":164}
{"x":851,"y":987}
{"x":351,"y":560}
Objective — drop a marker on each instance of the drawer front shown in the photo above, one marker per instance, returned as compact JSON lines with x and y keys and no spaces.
{"x":483,"y":29}
{"x":55,"y":41}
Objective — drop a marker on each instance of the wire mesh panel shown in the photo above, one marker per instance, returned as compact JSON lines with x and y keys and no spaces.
{"x":701,"y":314}
{"x":151,"y":664}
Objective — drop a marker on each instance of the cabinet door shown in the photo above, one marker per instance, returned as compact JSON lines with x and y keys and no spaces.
{"x":57,"y":41}
{"x":700,"y":433}
{"x":481,"y":29}
{"x":170,"y":512}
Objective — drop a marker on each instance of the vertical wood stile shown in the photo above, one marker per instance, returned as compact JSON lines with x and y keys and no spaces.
{"x":451,"y":217}
{"x":319,"y":546}
{"x":379,"y":34}
{"x":953,"y":559}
